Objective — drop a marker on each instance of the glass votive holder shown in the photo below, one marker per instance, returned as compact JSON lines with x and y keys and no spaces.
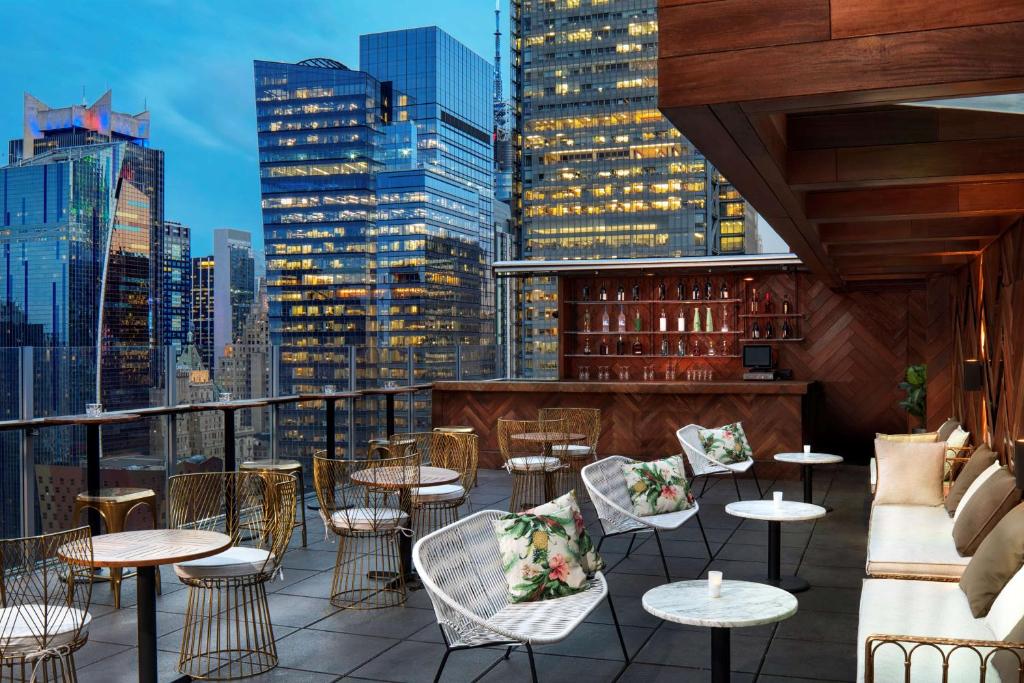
{"x":807,"y":448}
{"x":330,"y":388}
{"x":391,"y":384}
{"x":714,"y":584}
{"x":224,"y":396}
{"x":777,"y":496}
{"x":93,"y":409}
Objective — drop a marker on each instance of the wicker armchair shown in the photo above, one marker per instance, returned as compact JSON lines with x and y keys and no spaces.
{"x":44,"y":605}
{"x":435,"y":506}
{"x":608,"y":491}
{"x":704,"y":466}
{"x":575,"y":455}
{"x":460,"y":566}
{"x":532,"y":464}
{"x":228,"y":633}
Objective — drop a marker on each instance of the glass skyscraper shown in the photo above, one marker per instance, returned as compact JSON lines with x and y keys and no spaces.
{"x":176,"y":273}
{"x":202,"y":309}
{"x":234,"y":286}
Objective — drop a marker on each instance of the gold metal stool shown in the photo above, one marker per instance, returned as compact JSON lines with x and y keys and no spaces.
{"x":459,"y":429}
{"x":293,"y":467}
{"x":378,"y":448}
{"x":114,"y":505}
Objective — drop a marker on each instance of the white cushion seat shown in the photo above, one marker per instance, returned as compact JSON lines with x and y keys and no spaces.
{"x":235,"y":561}
{"x":369,"y":519}
{"x":915,"y":540}
{"x":437,"y":494}
{"x":572,"y":450}
{"x":21,"y":627}
{"x":534,"y":463}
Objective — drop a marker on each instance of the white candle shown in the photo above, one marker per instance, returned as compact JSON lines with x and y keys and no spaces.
{"x":777,"y":496}
{"x":715,"y":584}
{"x":807,"y":448}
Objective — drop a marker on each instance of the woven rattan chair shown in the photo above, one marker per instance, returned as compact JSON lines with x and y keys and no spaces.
{"x":604,"y":480}
{"x":228,"y":633}
{"x":574,"y":455}
{"x":460,"y":566}
{"x":368,"y":519}
{"x":704,"y":466}
{"x":435,"y":506}
{"x":532,"y":465}
{"x":44,"y":605}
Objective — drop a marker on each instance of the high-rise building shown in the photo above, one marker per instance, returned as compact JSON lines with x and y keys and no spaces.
{"x":177,"y":285}
{"x":203,"y":309}
{"x":234,"y":285}
{"x":600,"y":172}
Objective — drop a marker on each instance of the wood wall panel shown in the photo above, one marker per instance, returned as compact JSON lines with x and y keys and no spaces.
{"x":874,"y":17}
{"x":939,"y":350}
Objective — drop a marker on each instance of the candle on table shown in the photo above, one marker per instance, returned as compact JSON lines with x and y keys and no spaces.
{"x":807,"y":448}
{"x":777,"y":496}
{"x":715,"y":584}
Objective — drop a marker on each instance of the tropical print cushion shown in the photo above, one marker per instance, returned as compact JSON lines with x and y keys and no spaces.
{"x":539,"y":556}
{"x":658,"y":487}
{"x":589,"y":559}
{"x":726,"y":444}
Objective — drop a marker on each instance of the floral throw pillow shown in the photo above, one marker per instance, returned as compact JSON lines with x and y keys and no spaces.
{"x":726,"y":444}
{"x":658,"y":487}
{"x":589,"y":559}
{"x":539,"y":556}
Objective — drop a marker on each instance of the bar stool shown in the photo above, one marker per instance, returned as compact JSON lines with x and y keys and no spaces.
{"x":292,"y":467}
{"x":459,"y":429}
{"x":378,"y":448}
{"x":114,"y":505}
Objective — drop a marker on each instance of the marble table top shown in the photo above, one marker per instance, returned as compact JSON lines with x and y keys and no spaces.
{"x":742,"y":603}
{"x":784,"y":511}
{"x":809,"y":458}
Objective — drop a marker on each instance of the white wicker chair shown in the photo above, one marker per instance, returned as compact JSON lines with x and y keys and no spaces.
{"x":460,"y":567}
{"x":704,"y":466}
{"x":606,"y":484}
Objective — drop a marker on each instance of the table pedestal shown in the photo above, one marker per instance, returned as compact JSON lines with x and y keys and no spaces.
{"x":793,"y":584}
{"x":145,"y":609}
{"x":720,"y":655}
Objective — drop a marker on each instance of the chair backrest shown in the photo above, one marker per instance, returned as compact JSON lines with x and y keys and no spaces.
{"x":512,"y":447}
{"x":48,"y":580}
{"x":700,"y":463}
{"x":607,"y":487}
{"x":362,"y":493}
{"x":449,"y":450}
{"x":461,"y":563}
{"x":585,"y":421}
{"x":255,"y":508}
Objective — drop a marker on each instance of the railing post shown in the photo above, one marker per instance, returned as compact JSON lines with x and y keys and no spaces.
{"x":170,"y":421}
{"x":26,"y":455}
{"x":275,"y":390}
{"x":410,"y":363}
{"x":458,"y":362}
{"x":352,"y":386}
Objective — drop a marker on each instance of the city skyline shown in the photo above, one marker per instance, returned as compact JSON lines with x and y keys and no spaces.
{"x":196,"y":81}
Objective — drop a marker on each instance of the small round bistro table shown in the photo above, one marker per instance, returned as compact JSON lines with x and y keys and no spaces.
{"x":146,"y":550}
{"x":807,"y":461}
{"x":741,"y":603}
{"x":404,"y":480}
{"x":776,"y":513}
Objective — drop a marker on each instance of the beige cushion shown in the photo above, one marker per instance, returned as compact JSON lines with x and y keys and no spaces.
{"x":905,"y":438}
{"x":572,"y":450}
{"x":235,"y":561}
{"x":980,"y":514}
{"x":912,"y":540}
{"x":1006,"y":620}
{"x":436,"y":494}
{"x":909,"y":473}
{"x":534,"y":463}
{"x":956,"y":441}
{"x":998,"y":558}
{"x":981,"y":460}
{"x":369,"y":519}
{"x":975,"y":485}
{"x":22,"y":627}
{"x":946,"y":428}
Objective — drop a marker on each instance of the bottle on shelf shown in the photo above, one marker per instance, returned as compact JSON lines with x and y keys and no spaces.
{"x":586,"y":346}
{"x":708,"y":293}
{"x":696,"y":347}
{"x":787,"y":331}
{"x":725,"y":346}
{"x":681,"y":321}
{"x":586,"y":292}
{"x":680,"y":290}
{"x":661,"y":291}
{"x":696,"y":319}
{"x":620,"y":346}
{"x":603,"y":294}
{"x":725,"y":321}
{"x":755,"y":331}
{"x":754,"y":301}
{"x":605,"y":322}
{"x":620,"y":293}
{"x":636,"y":292}
{"x":638,"y":323}
{"x":723,"y":291}
{"x":622,"y":318}
{"x":638,"y":348}
{"x":695,"y":292}
{"x":769,"y":330}
{"x":586,"y":320}
{"x":681,"y":347}
{"x":768,"y":302}
{"x":664,"y":346}
{"x":709,"y":325}
{"x":603,"y":349}
{"x":711,"y":347}
{"x":663,"y":322}
{"x":787,"y":308}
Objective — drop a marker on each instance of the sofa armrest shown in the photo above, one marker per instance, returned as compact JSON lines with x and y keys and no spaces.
{"x":984,"y":652}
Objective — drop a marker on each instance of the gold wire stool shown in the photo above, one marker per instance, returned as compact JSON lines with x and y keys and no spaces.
{"x":357,"y":503}
{"x":293,"y":467}
{"x":576,"y":456}
{"x":44,"y":605}
{"x":228,"y":633}
{"x":460,"y":429}
{"x":527,"y":448}
{"x":436,"y":506}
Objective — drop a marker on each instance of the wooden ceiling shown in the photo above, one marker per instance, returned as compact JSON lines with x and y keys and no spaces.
{"x":802,"y":104}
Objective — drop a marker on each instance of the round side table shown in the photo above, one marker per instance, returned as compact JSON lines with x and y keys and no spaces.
{"x":807,"y":461}
{"x":776,"y":513}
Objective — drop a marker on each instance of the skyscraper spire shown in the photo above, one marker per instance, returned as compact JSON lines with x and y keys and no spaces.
{"x":497,"y":51}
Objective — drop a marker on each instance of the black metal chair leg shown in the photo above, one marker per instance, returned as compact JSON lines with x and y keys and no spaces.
{"x":753,"y":471}
{"x":736,"y":483}
{"x":704,"y":536}
{"x":618,"y":629}
{"x":704,"y":486}
{"x":533,"y":665}
{"x":601,"y":542}
{"x":632,"y":537}
{"x":440,"y":669}
{"x":661,"y":551}
{"x":508,"y":652}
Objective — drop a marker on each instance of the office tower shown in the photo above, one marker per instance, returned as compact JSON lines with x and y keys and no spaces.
{"x":503,"y":153}
{"x":244,"y":369}
{"x":602,"y":174}
{"x":177,"y":285}
{"x":234,"y":286}
{"x":203,"y":308}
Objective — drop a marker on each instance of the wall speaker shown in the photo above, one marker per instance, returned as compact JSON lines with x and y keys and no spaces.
{"x":974,"y":373}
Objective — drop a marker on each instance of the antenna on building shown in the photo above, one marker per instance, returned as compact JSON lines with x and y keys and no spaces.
{"x":497,"y":50}
{"x":84,"y":101}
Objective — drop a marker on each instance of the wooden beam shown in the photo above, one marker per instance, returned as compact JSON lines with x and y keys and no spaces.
{"x":985,"y":228}
{"x":924,"y":201}
{"x":920,"y":248}
{"x":875,"y":17}
{"x":863,"y":264}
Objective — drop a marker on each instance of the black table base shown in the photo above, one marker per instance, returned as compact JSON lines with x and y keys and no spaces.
{"x":146,"y":617}
{"x":792,"y":584}
{"x":808,"y":475}
{"x":720,"y":656}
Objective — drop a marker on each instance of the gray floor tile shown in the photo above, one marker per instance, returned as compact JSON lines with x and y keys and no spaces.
{"x":328,"y":652}
{"x":413,"y":662}
{"x":822,"y":661}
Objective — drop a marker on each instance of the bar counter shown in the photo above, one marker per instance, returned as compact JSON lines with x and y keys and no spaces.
{"x":639,"y":419}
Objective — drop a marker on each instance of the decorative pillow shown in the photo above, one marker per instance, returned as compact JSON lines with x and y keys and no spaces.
{"x":573,"y":522}
{"x":947,"y":428}
{"x":956,"y":441}
{"x":909,"y":473}
{"x":981,"y":459}
{"x":973,"y":488}
{"x":726,"y":444}
{"x":998,"y":558}
{"x":658,"y":487}
{"x":982,"y":512}
{"x":904,"y":438}
{"x":539,"y":557}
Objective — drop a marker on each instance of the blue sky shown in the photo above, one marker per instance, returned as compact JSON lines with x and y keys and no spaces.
{"x":191,"y":63}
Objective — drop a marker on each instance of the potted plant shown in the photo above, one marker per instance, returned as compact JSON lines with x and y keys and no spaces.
{"x":914,"y":383}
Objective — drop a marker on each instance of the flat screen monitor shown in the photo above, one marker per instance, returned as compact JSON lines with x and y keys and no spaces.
{"x":757,"y":356}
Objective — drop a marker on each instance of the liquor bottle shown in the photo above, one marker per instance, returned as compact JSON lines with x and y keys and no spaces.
{"x":723,"y":291}
{"x":603,"y":294}
{"x":681,"y":347}
{"x":769,"y":331}
{"x":586,"y":346}
{"x":708,"y":293}
{"x":786,"y":306}
{"x":586,"y":320}
{"x":586,"y":292}
{"x":725,"y":321}
{"x":661,"y":291}
{"x":681,"y":321}
{"x":696,"y":319}
{"x":604,"y":346}
{"x":711,"y":347}
{"x":663,"y":322}
{"x":638,"y":323}
{"x":755,"y":331}
{"x":696,"y":347}
{"x":605,"y":322}
{"x":664,"y":346}
{"x":620,"y":346}
{"x":695,"y":293}
{"x":708,"y":324}
{"x":638,"y":348}
{"x":620,"y":293}
{"x":636,"y":292}
{"x":680,"y":287}
{"x":768,"y":302}
{"x":754,"y":301}
{"x":725,"y":347}
{"x":787,"y":331}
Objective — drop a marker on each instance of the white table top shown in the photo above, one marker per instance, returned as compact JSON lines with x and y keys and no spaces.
{"x":785,"y":511}
{"x":742,"y":603}
{"x":809,"y":458}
